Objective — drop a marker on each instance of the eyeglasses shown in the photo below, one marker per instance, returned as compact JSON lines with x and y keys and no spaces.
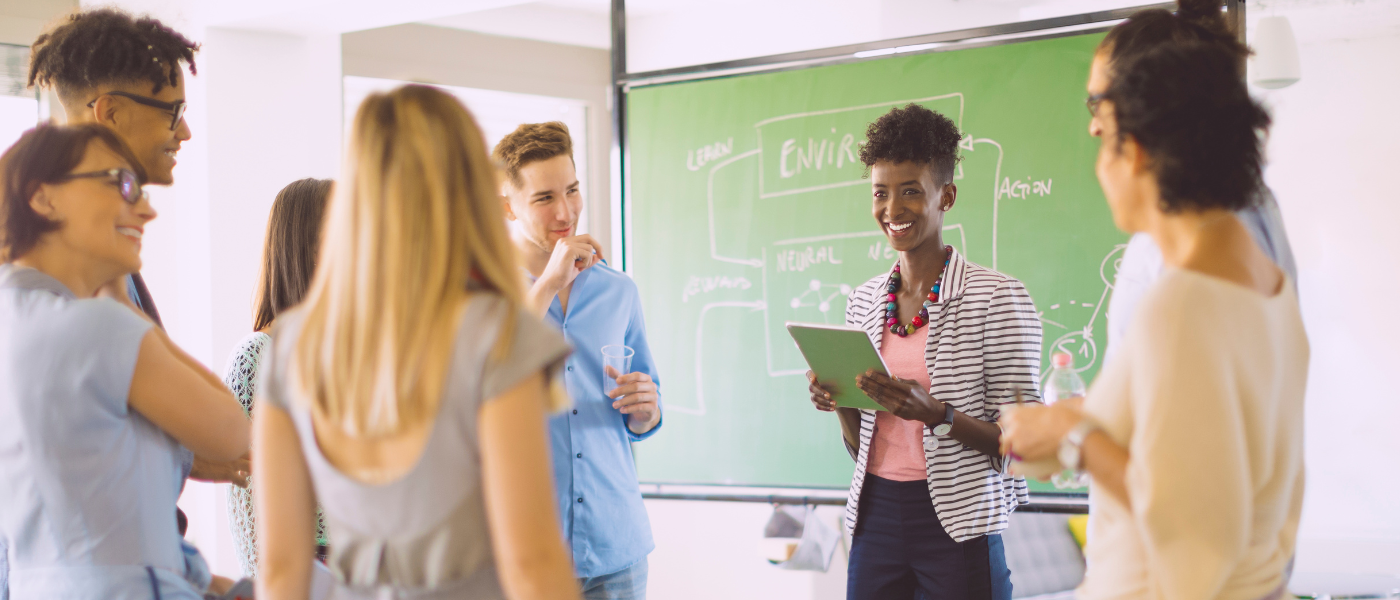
{"x":125,"y":179}
{"x":1092,"y":102}
{"x":176,"y":108}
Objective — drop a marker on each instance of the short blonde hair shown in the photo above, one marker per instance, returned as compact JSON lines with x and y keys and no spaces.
{"x":414,"y":221}
{"x":533,"y":142}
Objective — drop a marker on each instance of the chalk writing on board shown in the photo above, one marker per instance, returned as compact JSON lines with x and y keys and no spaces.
{"x":820,"y":149}
{"x":1023,"y":188}
{"x":697,"y":158}
{"x":820,"y":295}
{"x":802,"y":278}
{"x":1080,"y":342}
{"x":701,"y":285}
{"x":801,"y":260}
{"x":817,"y":154}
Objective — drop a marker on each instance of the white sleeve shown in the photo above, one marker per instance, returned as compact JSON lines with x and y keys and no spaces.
{"x":1140,"y":266}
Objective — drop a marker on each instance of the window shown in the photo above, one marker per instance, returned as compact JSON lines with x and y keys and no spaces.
{"x":19,"y":107}
{"x":497,"y":113}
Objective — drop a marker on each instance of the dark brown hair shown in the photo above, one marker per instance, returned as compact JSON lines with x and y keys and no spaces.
{"x":293,"y":241}
{"x":533,"y":142}
{"x":1195,"y":21}
{"x":913,"y":133}
{"x":42,"y":155}
{"x":105,"y":46}
{"x":1188,"y":108}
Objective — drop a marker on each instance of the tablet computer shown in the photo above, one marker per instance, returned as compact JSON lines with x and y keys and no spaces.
{"x":837,"y":354}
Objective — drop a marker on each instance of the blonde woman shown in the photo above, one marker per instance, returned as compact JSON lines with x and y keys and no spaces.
{"x":408,"y":393}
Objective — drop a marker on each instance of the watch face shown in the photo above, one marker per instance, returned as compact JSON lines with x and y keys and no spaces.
{"x":942,"y":429}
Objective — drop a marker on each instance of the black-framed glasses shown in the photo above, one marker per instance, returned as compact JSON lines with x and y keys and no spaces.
{"x":125,"y":179}
{"x":176,"y":108}
{"x":1092,"y":102}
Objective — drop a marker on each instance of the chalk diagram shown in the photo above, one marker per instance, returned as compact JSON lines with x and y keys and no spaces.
{"x":1080,"y":343}
{"x":815,"y":298}
{"x":820,"y":295}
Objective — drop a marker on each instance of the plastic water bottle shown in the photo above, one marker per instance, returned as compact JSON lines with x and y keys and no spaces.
{"x":1063,"y":382}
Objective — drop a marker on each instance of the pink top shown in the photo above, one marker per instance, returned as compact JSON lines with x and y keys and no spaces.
{"x":897,"y":450}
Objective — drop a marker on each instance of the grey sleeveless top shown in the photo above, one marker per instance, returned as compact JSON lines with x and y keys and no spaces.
{"x":423,"y":535}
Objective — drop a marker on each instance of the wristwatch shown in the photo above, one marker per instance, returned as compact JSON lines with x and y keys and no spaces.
{"x":1070,"y":454}
{"x":946,"y":425}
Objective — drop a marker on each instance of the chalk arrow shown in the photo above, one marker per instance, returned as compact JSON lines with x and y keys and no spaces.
{"x":966,"y":143}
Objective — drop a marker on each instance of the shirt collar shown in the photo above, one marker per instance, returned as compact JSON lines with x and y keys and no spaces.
{"x":26,"y":278}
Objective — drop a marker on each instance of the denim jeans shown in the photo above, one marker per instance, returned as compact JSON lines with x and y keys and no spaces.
{"x":901,"y":552}
{"x":627,"y":584}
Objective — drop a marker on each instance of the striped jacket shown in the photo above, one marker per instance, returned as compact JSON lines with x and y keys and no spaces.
{"x":984,"y":344}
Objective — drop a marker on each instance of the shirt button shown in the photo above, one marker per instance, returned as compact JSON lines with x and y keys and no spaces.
{"x":580,"y":500}
{"x":575,"y":411}
{"x":570,"y":367}
{"x":579,"y":455}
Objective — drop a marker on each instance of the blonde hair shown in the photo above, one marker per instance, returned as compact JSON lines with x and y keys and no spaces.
{"x":415,"y":221}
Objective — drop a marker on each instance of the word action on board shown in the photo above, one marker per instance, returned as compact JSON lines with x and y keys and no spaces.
{"x":1023,"y":189}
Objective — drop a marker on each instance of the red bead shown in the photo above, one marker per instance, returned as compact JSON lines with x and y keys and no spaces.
{"x":892,"y":298}
{"x":933,"y":296}
{"x":891,"y":321}
{"x":917,"y":322}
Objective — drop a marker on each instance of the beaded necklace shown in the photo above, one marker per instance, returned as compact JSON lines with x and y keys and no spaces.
{"x":892,"y":305}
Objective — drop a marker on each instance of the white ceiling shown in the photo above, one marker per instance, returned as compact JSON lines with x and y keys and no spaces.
{"x":587,"y":23}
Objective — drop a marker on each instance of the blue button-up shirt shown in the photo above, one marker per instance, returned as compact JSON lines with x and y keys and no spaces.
{"x":595,"y":478}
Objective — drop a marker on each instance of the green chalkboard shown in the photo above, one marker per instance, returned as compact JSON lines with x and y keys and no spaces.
{"x":749,"y":209}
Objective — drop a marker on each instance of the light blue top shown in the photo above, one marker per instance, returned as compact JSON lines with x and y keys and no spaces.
{"x":1142,"y":263}
{"x":90,"y":485}
{"x":595,"y":478}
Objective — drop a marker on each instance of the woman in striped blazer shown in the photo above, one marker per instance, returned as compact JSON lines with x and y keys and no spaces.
{"x":930,"y":495}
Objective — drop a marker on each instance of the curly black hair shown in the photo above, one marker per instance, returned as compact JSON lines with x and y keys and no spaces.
{"x":1193,"y":21}
{"x":913,"y":133}
{"x":107,"y":45}
{"x":1189,"y":110}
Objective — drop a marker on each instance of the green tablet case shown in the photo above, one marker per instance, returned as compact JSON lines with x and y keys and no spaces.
{"x":837,"y":355}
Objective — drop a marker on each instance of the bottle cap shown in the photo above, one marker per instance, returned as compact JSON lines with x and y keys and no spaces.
{"x":1062,"y":360}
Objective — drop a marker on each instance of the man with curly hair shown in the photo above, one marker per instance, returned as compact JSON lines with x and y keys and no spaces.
{"x":110,"y":67}
{"x":930,"y":495}
{"x":122,"y":71}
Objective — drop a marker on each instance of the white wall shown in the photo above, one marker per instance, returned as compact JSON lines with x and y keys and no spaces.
{"x":710,"y":550}
{"x":22,"y":20}
{"x":453,"y":57}
{"x":1332,"y":155}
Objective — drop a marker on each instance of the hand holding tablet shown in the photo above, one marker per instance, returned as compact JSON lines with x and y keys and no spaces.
{"x":837,"y":355}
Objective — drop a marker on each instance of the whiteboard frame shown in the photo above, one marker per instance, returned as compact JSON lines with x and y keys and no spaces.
{"x":962,"y":39}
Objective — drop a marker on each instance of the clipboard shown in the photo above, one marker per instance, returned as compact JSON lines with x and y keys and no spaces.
{"x":837,"y":354}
